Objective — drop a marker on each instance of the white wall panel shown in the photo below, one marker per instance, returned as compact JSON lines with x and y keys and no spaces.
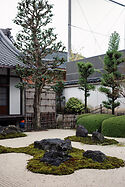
{"x":14,"y":96}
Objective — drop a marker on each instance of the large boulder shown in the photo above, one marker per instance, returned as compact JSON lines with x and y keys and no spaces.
{"x":95,"y":155}
{"x":53,"y":144}
{"x":56,"y":150}
{"x":97,"y":136}
{"x":81,"y":131}
{"x":55,"y":157}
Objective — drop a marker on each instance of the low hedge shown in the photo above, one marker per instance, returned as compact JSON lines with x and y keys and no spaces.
{"x":114,"y":127}
{"x":93,"y":122}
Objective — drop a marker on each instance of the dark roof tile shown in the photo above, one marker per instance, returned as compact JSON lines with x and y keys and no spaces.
{"x":9,"y":55}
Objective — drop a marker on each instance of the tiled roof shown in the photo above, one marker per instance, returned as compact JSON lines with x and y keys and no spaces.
{"x":72,"y":74}
{"x":58,"y":55}
{"x":8,"y":53}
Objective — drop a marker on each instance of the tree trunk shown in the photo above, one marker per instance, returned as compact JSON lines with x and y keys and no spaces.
{"x":86,"y":101}
{"x":113,"y":109}
{"x":36,"y":107}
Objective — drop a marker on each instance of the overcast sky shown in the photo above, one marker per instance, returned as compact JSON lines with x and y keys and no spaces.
{"x":93,"y":21}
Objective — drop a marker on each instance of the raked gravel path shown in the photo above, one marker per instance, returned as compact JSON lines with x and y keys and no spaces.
{"x":13,"y":172}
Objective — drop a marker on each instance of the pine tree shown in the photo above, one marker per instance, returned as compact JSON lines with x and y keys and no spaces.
{"x":85,"y":70}
{"x":35,"y":41}
{"x":111,"y":77}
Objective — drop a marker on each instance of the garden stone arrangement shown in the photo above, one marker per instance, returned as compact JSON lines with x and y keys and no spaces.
{"x":10,"y":131}
{"x":56,"y":150}
{"x":96,"y":138}
{"x":81,"y":131}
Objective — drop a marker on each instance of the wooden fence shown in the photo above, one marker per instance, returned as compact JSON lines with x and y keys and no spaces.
{"x":47,"y":108}
{"x":48,"y":120}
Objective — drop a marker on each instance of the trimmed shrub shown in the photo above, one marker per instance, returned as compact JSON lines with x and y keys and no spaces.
{"x":114,"y":127}
{"x":74,"y":106}
{"x":83,"y":115}
{"x":93,"y":122}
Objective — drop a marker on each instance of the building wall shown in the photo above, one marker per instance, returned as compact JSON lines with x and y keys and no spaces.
{"x":14,"y":96}
{"x":13,"y":104}
{"x":48,"y":101}
{"x":95,"y":98}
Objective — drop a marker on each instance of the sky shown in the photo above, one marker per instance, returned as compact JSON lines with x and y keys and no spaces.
{"x":93,"y":21}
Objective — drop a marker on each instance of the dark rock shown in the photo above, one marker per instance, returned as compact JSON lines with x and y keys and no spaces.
{"x":81,"y":131}
{"x":55,"y":157}
{"x":53,"y":144}
{"x":97,"y":136}
{"x":56,"y":150}
{"x":1,"y":129}
{"x":95,"y":155}
{"x":11,"y":129}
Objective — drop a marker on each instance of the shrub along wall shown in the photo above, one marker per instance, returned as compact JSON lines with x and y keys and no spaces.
{"x":114,"y":127}
{"x":93,"y":122}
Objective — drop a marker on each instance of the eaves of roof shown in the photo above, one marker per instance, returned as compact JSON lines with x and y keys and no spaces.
{"x":9,"y":55}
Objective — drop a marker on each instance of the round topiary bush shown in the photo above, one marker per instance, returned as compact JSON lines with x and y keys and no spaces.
{"x":93,"y":122}
{"x":74,"y":106}
{"x":114,"y":127}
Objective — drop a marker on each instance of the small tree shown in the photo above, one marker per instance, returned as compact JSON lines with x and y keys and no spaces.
{"x":58,"y":89}
{"x":35,"y":41}
{"x":85,"y":70}
{"x":111,"y":76}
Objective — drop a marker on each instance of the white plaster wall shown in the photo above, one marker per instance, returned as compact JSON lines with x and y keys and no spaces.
{"x":14,"y":96}
{"x":95,"y":98}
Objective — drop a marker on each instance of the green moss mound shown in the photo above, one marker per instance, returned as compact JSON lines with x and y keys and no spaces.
{"x":75,"y":163}
{"x":114,"y":127}
{"x":93,"y":122}
{"x":13,"y":135}
{"x":88,"y":140}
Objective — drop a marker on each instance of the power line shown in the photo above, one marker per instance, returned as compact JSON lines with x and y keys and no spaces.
{"x":106,"y":35}
{"x":117,"y":3}
{"x":96,"y":41}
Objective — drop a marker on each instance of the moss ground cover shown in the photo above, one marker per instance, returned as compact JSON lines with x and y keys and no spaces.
{"x":13,"y":135}
{"x":88,"y":140}
{"x":75,"y":163}
{"x":93,"y":122}
{"x":114,"y":127}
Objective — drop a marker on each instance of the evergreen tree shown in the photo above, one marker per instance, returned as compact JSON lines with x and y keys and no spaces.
{"x":85,"y":70}
{"x":111,"y":76}
{"x":35,"y":41}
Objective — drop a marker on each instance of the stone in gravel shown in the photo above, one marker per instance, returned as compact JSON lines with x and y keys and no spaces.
{"x":95,"y":155}
{"x":81,"y":131}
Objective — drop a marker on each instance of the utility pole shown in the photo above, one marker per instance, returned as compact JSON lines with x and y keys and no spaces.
{"x":69,"y":30}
